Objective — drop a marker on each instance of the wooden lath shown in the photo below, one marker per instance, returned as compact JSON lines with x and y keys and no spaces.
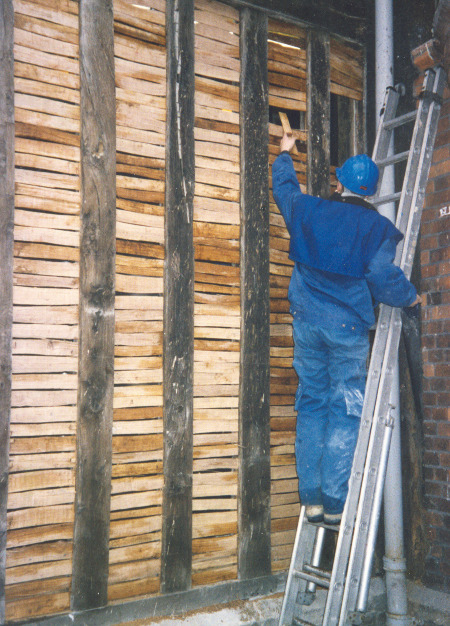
{"x":284,"y":491}
{"x":217,"y":311}
{"x":40,"y":518}
{"x":137,"y":468}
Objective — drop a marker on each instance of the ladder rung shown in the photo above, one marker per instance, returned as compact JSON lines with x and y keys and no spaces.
{"x":316,"y":570}
{"x":301,"y":622}
{"x":334,"y":527}
{"x":400,"y":120}
{"x":311,"y":578}
{"x":395,"y":158}
{"x":393,"y":197}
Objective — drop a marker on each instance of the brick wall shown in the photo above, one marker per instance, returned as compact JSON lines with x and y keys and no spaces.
{"x":436,"y":355}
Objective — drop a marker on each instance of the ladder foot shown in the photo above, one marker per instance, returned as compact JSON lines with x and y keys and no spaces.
{"x":306,"y":598}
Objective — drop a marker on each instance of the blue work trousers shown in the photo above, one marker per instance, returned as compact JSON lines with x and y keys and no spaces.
{"x":331,"y":366}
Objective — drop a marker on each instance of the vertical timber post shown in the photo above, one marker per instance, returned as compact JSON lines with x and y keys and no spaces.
{"x":97,"y":286}
{"x":358,"y":136}
{"x":318,"y":113}
{"x":254,"y":557}
{"x":176,"y":556}
{"x":6,"y":263}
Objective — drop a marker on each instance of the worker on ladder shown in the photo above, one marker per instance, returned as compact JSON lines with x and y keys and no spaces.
{"x":343,"y":251}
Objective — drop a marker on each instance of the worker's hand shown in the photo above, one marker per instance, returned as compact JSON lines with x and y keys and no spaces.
{"x":418,"y":300}
{"x":287,"y":143}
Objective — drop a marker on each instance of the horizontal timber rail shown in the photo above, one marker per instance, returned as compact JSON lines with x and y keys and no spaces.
{"x":169,"y":604}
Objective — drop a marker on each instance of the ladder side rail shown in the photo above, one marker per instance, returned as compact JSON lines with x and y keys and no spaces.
{"x":424,"y":163}
{"x":302,"y":551}
{"x":372,"y":530}
{"x":426,"y":126}
{"x":384,"y":133}
{"x":371,"y":470}
{"x":419,"y":140}
{"x":358,"y":475}
{"x":355,"y":488}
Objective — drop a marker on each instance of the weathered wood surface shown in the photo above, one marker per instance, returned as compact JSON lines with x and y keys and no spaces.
{"x":137,"y":469}
{"x":217,"y":283}
{"x":346,"y":69}
{"x":176,"y":561}
{"x":318,"y":116}
{"x":6,"y":263}
{"x":96,"y":314}
{"x":45,"y":334}
{"x":346,"y":18}
{"x":283,"y":383}
{"x":254,"y":439}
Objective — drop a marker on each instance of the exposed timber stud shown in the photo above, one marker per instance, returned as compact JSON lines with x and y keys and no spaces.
{"x":254,"y":557}
{"x":318,"y":113}
{"x":97,"y":271}
{"x":358,"y":139}
{"x":176,"y":556}
{"x":6,"y":263}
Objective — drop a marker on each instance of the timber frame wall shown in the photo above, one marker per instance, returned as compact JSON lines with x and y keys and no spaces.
{"x":146,"y":406}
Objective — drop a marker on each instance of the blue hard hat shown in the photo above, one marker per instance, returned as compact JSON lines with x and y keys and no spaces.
{"x":359,"y":174}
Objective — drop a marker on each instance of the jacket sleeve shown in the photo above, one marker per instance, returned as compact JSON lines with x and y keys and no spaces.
{"x":386,"y":281}
{"x":285,"y":186}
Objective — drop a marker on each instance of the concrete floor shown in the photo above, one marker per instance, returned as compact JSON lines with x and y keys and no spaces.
{"x":427,"y":608}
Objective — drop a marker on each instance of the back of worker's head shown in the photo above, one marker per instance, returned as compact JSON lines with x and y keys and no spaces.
{"x":359,"y":174}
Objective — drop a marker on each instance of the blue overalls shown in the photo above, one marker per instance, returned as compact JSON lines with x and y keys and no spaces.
{"x":343,"y":255}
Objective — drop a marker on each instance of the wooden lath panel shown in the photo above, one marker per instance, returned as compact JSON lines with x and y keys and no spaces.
{"x":283,"y":379}
{"x":45,"y":295}
{"x":217,"y":293}
{"x":346,"y":69}
{"x":287,"y":66}
{"x":137,"y":480}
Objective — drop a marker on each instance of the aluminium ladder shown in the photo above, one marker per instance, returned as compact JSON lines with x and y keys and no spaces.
{"x":348,"y":582}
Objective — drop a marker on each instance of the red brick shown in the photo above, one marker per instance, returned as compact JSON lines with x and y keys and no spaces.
{"x":444,"y":238}
{"x":443,"y":370}
{"x":428,"y":370}
{"x":444,"y":123}
{"x":435,"y":356}
{"x":429,"y":242}
{"x":438,"y":199}
{"x":434,"y":327}
{"x":442,"y":341}
{"x":425,"y":257}
{"x":435,"y":473}
{"x":441,"y":444}
{"x":443,"y":429}
{"x":431,"y":226}
{"x":442,"y":182}
{"x":435,"y":413}
{"x":444,"y":460}
{"x":431,"y":458}
{"x":430,"y":271}
{"x":438,"y":490}
{"x":439,"y":254}
{"x":442,"y":139}
{"x":437,"y":384}
{"x":440,"y":155}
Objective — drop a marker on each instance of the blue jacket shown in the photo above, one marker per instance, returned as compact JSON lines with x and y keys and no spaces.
{"x":343,"y":255}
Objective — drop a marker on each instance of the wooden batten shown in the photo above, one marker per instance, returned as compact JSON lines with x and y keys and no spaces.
{"x":254,"y":435}
{"x":96,"y":311}
{"x":318,"y":113}
{"x":176,"y":560}
{"x":6,"y":263}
